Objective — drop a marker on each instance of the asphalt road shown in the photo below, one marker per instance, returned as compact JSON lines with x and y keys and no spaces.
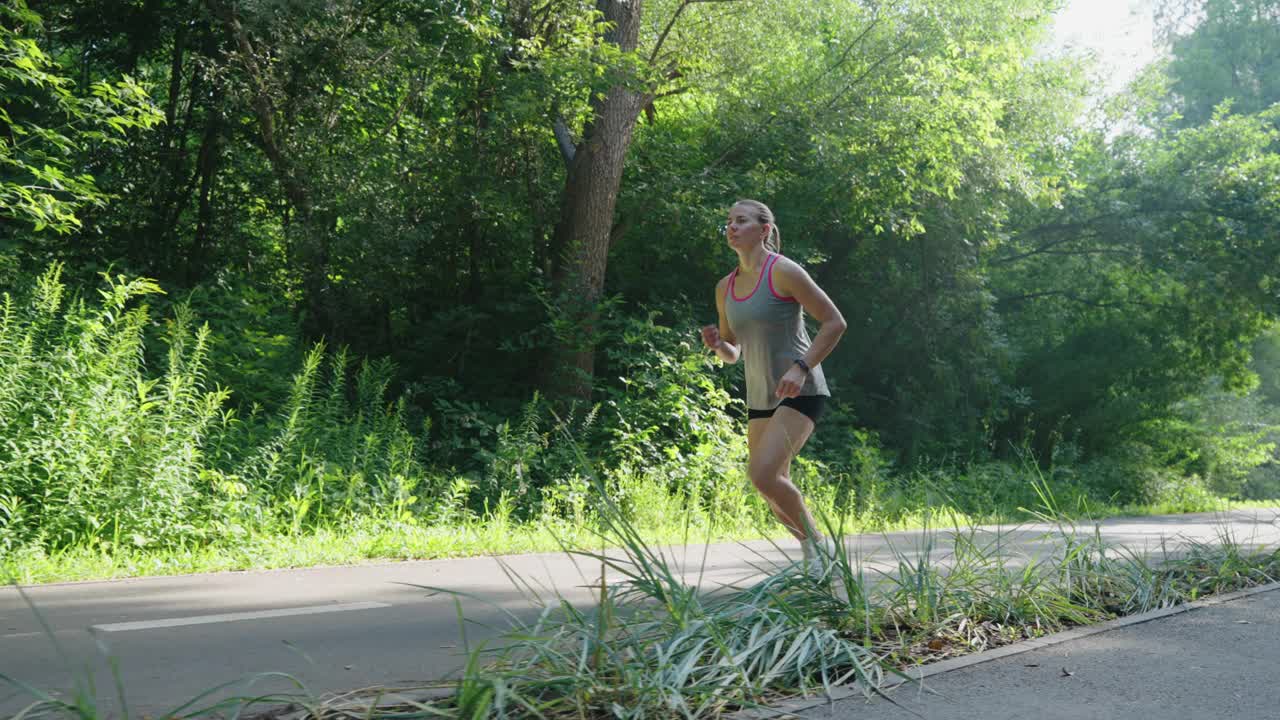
{"x":1216,"y":661}
{"x":340,"y":628}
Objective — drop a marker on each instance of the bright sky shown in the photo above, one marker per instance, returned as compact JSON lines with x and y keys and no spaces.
{"x":1120,"y":32}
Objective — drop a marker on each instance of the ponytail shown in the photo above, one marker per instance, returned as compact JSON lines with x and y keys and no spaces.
{"x":773,"y":243}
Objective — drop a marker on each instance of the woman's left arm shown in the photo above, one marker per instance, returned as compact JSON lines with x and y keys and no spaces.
{"x":791,"y":280}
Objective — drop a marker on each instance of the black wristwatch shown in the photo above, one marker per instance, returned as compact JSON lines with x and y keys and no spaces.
{"x":803,"y":365}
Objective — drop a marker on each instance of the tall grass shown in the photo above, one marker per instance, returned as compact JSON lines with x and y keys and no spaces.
{"x":93,"y":450}
{"x":657,"y":645}
{"x":119,"y":460}
{"x":100,"y":452}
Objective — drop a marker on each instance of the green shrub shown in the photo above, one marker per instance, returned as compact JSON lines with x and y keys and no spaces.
{"x":93,"y":449}
{"x":667,"y":403}
{"x":97,"y":450}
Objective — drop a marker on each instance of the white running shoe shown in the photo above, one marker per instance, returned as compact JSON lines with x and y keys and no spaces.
{"x":819,"y":555}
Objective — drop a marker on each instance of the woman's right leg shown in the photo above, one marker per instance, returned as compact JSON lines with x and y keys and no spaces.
{"x":755,"y":434}
{"x":771,"y":443}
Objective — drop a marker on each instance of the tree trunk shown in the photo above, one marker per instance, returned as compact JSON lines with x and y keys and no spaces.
{"x":207,"y":167}
{"x":152,"y":243}
{"x":581,"y":243}
{"x":314,"y":228}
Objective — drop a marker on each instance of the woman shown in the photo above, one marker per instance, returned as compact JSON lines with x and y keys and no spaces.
{"x":761,"y":305}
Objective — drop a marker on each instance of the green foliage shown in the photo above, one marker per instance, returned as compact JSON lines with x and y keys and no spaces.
{"x":254,"y":344}
{"x":48,"y":125}
{"x":890,"y":143}
{"x":101,"y":452}
{"x":669,"y":400}
{"x":106,"y":455}
{"x":385,"y":177}
{"x":335,"y":451}
{"x":97,"y":451}
{"x":1226,"y":53}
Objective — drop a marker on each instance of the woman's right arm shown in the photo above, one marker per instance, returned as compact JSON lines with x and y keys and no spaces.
{"x":721,"y":339}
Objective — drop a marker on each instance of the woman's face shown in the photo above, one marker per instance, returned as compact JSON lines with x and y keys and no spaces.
{"x":743,"y":230}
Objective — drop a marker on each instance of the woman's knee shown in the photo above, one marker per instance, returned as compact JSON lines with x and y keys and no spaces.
{"x":769,"y":480}
{"x":761,"y":477}
{"x":768,"y":465}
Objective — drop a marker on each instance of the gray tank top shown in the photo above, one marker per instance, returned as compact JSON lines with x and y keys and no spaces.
{"x":771,"y":334}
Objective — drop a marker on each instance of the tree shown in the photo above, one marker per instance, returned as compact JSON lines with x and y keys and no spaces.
{"x":48,"y":127}
{"x":1154,"y":278}
{"x":594,"y":165}
{"x":1222,"y":50}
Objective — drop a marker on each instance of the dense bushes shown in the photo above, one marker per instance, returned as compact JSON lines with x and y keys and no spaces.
{"x":97,"y":449}
{"x":94,"y":449}
{"x":100,"y":450}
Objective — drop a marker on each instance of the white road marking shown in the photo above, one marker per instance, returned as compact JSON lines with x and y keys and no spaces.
{"x":18,"y":635}
{"x":235,"y":617}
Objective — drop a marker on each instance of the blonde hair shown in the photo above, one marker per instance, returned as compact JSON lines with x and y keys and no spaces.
{"x":764,"y":215}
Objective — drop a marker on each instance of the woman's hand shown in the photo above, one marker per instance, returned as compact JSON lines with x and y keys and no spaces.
{"x":791,"y":383}
{"x":711,"y":337}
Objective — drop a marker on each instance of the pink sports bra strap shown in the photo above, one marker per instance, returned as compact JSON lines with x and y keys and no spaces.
{"x":772,"y":289}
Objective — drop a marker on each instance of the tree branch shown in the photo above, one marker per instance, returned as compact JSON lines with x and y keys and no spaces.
{"x":1048,"y":248}
{"x":422,"y":84}
{"x":839,"y":95}
{"x":662,"y":38}
{"x":1051,"y":229}
{"x":1068,"y":295}
{"x":844,"y":57}
{"x":263,"y":109}
{"x":564,"y":139}
{"x":669,"y":93}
